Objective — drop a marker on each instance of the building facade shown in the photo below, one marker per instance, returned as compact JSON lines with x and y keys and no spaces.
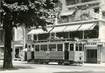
{"x":81,"y":21}
{"x":18,"y":43}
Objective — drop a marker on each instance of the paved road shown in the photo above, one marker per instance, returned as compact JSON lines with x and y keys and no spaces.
{"x":21,"y":67}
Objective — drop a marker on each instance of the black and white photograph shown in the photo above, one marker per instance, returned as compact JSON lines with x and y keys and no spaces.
{"x":52,"y":36}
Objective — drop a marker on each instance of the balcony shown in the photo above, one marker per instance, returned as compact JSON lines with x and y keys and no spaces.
{"x":80,"y":22}
{"x":83,"y":3}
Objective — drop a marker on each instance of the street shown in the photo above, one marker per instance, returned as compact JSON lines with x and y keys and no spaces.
{"x":51,"y":68}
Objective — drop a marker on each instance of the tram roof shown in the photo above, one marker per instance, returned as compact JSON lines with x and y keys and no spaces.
{"x":68,"y":28}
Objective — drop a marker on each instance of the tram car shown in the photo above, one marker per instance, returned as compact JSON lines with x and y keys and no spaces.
{"x":60,"y":52}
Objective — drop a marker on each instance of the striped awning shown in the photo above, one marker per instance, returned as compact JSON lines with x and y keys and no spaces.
{"x":80,"y":27}
{"x":39,"y":31}
{"x":71,"y":28}
{"x":58,"y":29}
{"x":67,"y":28}
{"x":88,"y":26}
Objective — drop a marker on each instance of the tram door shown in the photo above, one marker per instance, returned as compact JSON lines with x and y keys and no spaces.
{"x":66,"y":51}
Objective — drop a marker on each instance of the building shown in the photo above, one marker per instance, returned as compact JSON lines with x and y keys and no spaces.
{"x":18,"y":43}
{"x":82,"y":21}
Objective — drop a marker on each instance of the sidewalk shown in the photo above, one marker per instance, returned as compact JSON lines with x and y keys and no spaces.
{"x":52,"y":68}
{"x":91,"y":64}
{"x":85,"y":64}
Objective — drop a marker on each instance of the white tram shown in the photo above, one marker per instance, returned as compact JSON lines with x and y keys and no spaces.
{"x":57,"y":51}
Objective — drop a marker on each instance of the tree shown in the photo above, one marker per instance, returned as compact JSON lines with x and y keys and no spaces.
{"x":24,"y":12}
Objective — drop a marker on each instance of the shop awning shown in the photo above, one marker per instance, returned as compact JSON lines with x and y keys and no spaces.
{"x":88,"y":26}
{"x":39,"y":31}
{"x":80,"y":27}
{"x":58,"y":29}
{"x":67,"y":28}
{"x":71,"y":28}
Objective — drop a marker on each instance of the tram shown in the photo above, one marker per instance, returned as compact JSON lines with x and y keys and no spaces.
{"x":57,"y":51}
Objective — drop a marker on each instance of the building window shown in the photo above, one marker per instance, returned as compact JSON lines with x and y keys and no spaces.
{"x":17,"y":53}
{"x":65,"y":19}
{"x":71,"y":2}
{"x":96,"y":10}
{"x":92,"y":33}
{"x":35,"y":37}
{"x":29,"y":37}
{"x":62,"y":35}
{"x":103,"y":14}
{"x":76,"y":34}
{"x":59,"y":47}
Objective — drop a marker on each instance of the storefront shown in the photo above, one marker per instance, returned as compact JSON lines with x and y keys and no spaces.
{"x":18,"y":54}
{"x":83,"y":22}
{"x":88,"y":32}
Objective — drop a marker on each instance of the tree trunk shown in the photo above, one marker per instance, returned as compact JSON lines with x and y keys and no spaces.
{"x":8,"y":50}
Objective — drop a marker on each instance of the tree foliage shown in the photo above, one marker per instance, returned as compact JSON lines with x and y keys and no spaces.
{"x":29,"y":12}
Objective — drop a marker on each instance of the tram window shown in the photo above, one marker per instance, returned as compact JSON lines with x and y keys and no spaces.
{"x":71,"y":47}
{"x":80,"y":47}
{"x":36,"y":47}
{"x":43,"y":47}
{"x":52,"y":47}
{"x":66,"y":45}
{"x":29,"y":47}
{"x":77,"y":47}
{"x":59,"y":47}
{"x":32,"y":45}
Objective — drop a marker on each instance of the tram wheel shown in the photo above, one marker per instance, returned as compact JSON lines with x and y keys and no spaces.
{"x":59,"y":63}
{"x":66,"y":63}
{"x":41,"y":62}
{"x":46,"y":62}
